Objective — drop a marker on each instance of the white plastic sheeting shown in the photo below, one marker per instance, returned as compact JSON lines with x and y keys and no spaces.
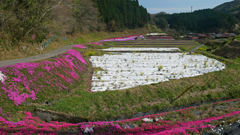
{"x":134,"y":69}
{"x":2,"y":77}
{"x":143,"y":49}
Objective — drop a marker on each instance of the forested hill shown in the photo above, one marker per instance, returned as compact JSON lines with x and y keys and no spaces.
{"x":206,"y":20}
{"x":122,"y":13}
{"x":229,"y":7}
{"x":34,"y":20}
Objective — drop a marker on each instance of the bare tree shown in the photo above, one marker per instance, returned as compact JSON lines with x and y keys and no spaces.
{"x":87,"y":16}
{"x":21,"y":17}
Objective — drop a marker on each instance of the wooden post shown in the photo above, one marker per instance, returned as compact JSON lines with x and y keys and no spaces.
{"x":182,"y":94}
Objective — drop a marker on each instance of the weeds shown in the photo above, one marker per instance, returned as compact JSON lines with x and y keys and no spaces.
{"x":160,"y":68}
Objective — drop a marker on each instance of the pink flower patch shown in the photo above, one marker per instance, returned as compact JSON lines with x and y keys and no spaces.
{"x":77,"y":55}
{"x":80,"y":46}
{"x":62,"y":76}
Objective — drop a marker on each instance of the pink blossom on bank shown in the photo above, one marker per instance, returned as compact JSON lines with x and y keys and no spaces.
{"x":162,"y":127}
{"x":33,"y":36}
{"x":69,"y":61}
{"x":95,"y":43}
{"x":127,"y":38}
{"x":80,"y":46}
{"x":77,"y":55}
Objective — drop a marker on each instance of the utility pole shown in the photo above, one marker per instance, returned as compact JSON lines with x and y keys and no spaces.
{"x":191,"y":9}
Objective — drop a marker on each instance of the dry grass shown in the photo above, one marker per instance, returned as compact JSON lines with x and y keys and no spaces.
{"x":28,"y":49}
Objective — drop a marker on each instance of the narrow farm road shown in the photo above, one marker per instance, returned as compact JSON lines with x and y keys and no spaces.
{"x":38,"y":57}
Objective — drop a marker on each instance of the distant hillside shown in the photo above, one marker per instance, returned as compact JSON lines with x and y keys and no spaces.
{"x":232,"y":7}
{"x":206,"y":20}
{"x":153,"y":15}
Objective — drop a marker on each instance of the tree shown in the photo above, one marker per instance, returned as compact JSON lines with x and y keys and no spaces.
{"x":25,"y":16}
{"x":206,"y":20}
{"x":161,"y":23}
{"x":124,"y":13}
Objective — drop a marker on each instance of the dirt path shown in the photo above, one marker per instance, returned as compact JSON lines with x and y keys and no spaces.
{"x":38,"y":57}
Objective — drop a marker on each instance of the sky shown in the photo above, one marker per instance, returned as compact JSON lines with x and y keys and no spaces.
{"x":177,"y":6}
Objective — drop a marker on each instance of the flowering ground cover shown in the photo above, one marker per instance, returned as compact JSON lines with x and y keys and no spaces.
{"x":184,"y":121}
{"x":72,"y":97}
{"x":80,"y":46}
{"x":127,"y":38}
{"x":222,"y":84}
{"x":39,"y":82}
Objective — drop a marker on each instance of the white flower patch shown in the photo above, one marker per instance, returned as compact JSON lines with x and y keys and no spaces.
{"x":2,"y":77}
{"x":134,"y":69}
{"x":147,"y":120}
{"x":89,"y":130}
{"x":142,"y":49}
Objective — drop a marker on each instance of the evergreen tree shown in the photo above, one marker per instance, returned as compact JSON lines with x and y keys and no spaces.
{"x":123,"y":13}
{"x":206,"y":20}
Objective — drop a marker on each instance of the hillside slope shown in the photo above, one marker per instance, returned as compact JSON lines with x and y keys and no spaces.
{"x":231,"y":50}
{"x":229,"y":7}
{"x":206,"y":20}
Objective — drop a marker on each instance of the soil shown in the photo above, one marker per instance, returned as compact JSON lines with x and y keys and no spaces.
{"x":231,"y":50}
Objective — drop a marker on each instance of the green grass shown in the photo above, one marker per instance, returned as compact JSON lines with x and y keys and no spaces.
{"x":183,"y":48}
{"x":111,"y":104}
{"x":213,"y":86}
{"x":79,"y":40}
{"x":187,"y":48}
{"x":203,"y":48}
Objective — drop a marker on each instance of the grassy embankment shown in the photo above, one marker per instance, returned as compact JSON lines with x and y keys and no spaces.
{"x":184,"y":45}
{"x":81,"y":102}
{"x":213,"y":86}
{"x":24,"y":50}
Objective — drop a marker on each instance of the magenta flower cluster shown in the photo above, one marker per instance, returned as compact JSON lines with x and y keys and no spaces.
{"x":80,"y":46}
{"x":27,"y":75}
{"x":95,"y":43}
{"x":127,"y":38}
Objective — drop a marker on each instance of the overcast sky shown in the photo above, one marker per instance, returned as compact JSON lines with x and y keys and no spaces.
{"x":177,"y":6}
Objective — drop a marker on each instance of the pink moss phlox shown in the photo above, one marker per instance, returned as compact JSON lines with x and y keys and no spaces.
{"x":10,"y":85}
{"x":35,"y":124}
{"x":80,"y":46}
{"x":40,"y":74}
{"x":77,"y":55}
{"x":127,"y":38}
{"x":46,"y":67}
{"x":73,"y":75}
{"x":95,"y":43}
{"x":69,"y":61}
{"x":33,"y":36}
{"x":62,"y":76}
{"x":66,"y":63}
